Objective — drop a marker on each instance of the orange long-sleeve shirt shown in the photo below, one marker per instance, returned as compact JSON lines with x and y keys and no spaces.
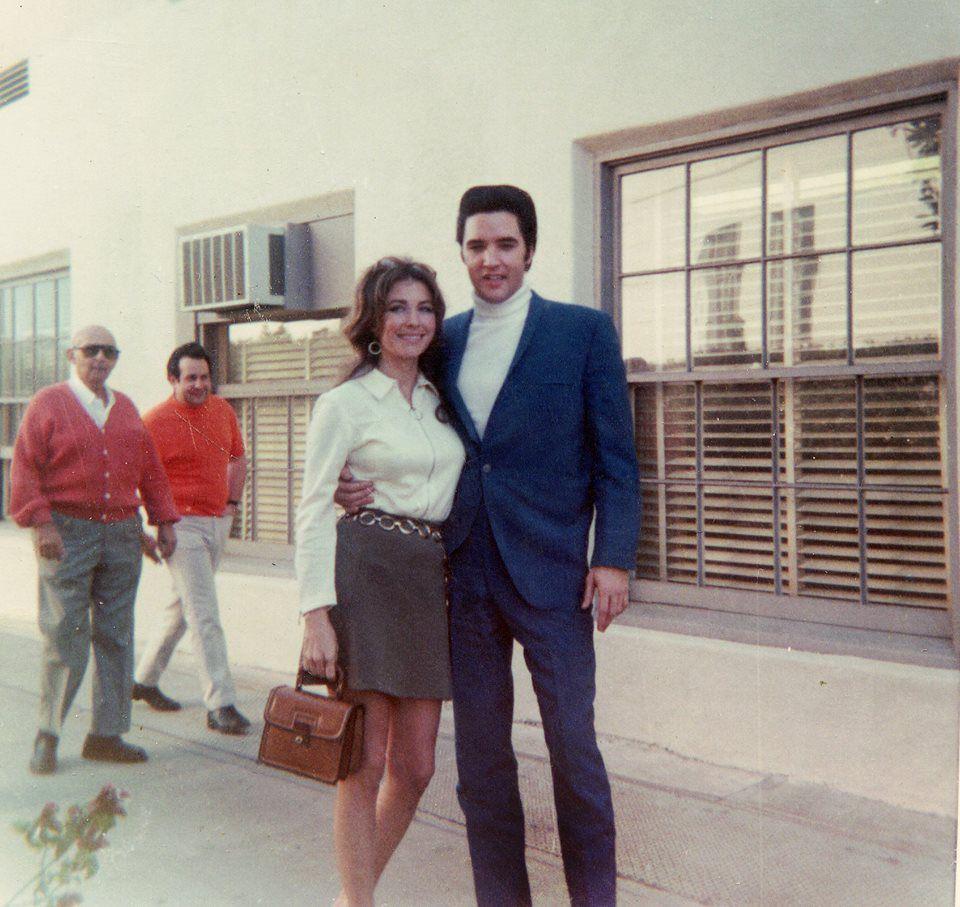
{"x":196,"y":444}
{"x":62,"y":461}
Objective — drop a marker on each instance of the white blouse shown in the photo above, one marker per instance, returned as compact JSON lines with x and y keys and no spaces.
{"x":413,"y":459}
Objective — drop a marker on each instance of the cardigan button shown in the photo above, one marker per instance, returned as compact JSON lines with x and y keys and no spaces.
{"x":487,"y":467}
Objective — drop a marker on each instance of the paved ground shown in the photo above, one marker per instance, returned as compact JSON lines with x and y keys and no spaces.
{"x":208,"y":826}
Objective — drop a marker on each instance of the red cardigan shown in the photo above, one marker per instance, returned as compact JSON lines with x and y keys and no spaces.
{"x":63,"y":462}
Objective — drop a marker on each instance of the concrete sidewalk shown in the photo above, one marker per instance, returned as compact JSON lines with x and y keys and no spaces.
{"x":207,"y":825}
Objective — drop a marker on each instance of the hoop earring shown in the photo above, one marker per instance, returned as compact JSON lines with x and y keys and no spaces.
{"x":374,"y":348}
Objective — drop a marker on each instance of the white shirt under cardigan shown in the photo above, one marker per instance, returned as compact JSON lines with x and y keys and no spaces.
{"x":413,"y":459}
{"x":98,"y":410}
{"x":494,"y":334}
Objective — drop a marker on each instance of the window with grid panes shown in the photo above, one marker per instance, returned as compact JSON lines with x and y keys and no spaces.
{"x":781,"y":303}
{"x":34,"y":337}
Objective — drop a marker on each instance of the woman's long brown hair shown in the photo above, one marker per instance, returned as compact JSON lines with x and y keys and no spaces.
{"x":369,"y":308}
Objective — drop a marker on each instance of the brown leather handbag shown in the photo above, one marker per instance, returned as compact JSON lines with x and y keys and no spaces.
{"x":317,"y":736}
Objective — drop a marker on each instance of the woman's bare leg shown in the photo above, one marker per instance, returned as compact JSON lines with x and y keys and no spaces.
{"x":355,"y":813}
{"x":410,"y":757}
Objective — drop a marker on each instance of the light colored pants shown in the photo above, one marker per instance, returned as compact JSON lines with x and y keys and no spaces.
{"x":87,"y":597}
{"x":200,"y":544}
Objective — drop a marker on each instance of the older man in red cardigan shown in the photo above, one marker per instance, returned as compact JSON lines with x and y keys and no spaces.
{"x":82,"y":465}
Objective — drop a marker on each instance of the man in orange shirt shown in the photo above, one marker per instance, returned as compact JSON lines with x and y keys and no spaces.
{"x":201,"y":448}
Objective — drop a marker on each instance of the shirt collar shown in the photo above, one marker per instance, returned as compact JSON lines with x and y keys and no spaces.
{"x":87,"y":396}
{"x":379,"y":384}
{"x":515,"y":304}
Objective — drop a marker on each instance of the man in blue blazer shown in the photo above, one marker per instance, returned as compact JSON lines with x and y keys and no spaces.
{"x":539,"y":396}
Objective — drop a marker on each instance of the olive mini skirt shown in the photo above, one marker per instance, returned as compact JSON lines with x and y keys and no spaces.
{"x":391,"y":613}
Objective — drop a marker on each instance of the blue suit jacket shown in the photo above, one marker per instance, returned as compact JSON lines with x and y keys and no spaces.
{"x":558,"y":446}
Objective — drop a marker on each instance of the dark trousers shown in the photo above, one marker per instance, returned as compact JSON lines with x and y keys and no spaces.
{"x":487,"y":615}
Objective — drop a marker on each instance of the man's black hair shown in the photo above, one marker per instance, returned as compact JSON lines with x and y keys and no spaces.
{"x":191,"y":350}
{"x":487,"y":199}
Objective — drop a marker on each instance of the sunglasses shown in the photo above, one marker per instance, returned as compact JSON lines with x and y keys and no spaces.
{"x":91,"y":350}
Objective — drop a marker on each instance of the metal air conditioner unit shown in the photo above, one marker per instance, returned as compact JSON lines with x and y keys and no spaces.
{"x":233,"y":267}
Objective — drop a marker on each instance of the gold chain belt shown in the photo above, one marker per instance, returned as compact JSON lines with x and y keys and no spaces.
{"x":405,"y":524}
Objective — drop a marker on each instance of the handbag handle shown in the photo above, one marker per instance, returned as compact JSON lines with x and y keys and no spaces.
{"x":305,"y":678}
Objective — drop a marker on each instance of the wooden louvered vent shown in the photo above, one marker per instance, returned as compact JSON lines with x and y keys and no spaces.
{"x":789,"y":500}
{"x":275,"y":425}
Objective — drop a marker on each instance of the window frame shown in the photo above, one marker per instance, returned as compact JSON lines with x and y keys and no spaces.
{"x":796,"y":118}
{"x":12,"y":406}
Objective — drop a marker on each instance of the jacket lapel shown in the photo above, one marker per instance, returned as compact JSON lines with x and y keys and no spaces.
{"x":456,"y":343}
{"x":537,"y":305}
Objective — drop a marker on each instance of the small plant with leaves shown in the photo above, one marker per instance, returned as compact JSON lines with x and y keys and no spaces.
{"x":68,"y":848}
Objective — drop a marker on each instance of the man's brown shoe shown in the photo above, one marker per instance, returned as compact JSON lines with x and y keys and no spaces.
{"x":111,"y":749}
{"x":227,"y":721}
{"x":44,"y":759}
{"x":155,"y":699}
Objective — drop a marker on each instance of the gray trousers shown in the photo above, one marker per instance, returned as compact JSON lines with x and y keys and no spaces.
{"x":88,"y":597}
{"x":200,"y":544}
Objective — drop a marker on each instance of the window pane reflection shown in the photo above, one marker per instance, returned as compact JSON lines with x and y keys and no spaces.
{"x":896,"y":181}
{"x":654,"y":322}
{"x":63,"y":326}
{"x":807,"y":310}
{"x":653,"y":228}
{"x":23,"y":340}
{"x":807,"y":196}
{"x":896,"y":303}
{"x":6,"y":343}
{"x":726,"y":318}
{"x":46,"y":339}
{"x":282,"y":351}
{"x":725,"y":208}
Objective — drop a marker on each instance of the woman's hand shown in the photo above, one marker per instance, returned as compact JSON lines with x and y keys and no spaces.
{"x":318,"y":655}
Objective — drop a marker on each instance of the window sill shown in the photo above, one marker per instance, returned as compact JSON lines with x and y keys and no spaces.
{"x":807,"y":636}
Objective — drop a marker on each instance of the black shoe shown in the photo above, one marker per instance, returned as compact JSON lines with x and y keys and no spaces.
{"x":227,"y":721}
{"x":155,"y":699}
{"x":111,"y":749}
{"x":44,"y":759}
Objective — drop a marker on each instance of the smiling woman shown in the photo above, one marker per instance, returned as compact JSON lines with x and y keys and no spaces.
{"x":372,"y":587}
{"x":409,"y":325}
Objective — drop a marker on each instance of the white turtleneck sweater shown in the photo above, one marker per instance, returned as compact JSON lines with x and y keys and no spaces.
{"x":494,"y":334}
